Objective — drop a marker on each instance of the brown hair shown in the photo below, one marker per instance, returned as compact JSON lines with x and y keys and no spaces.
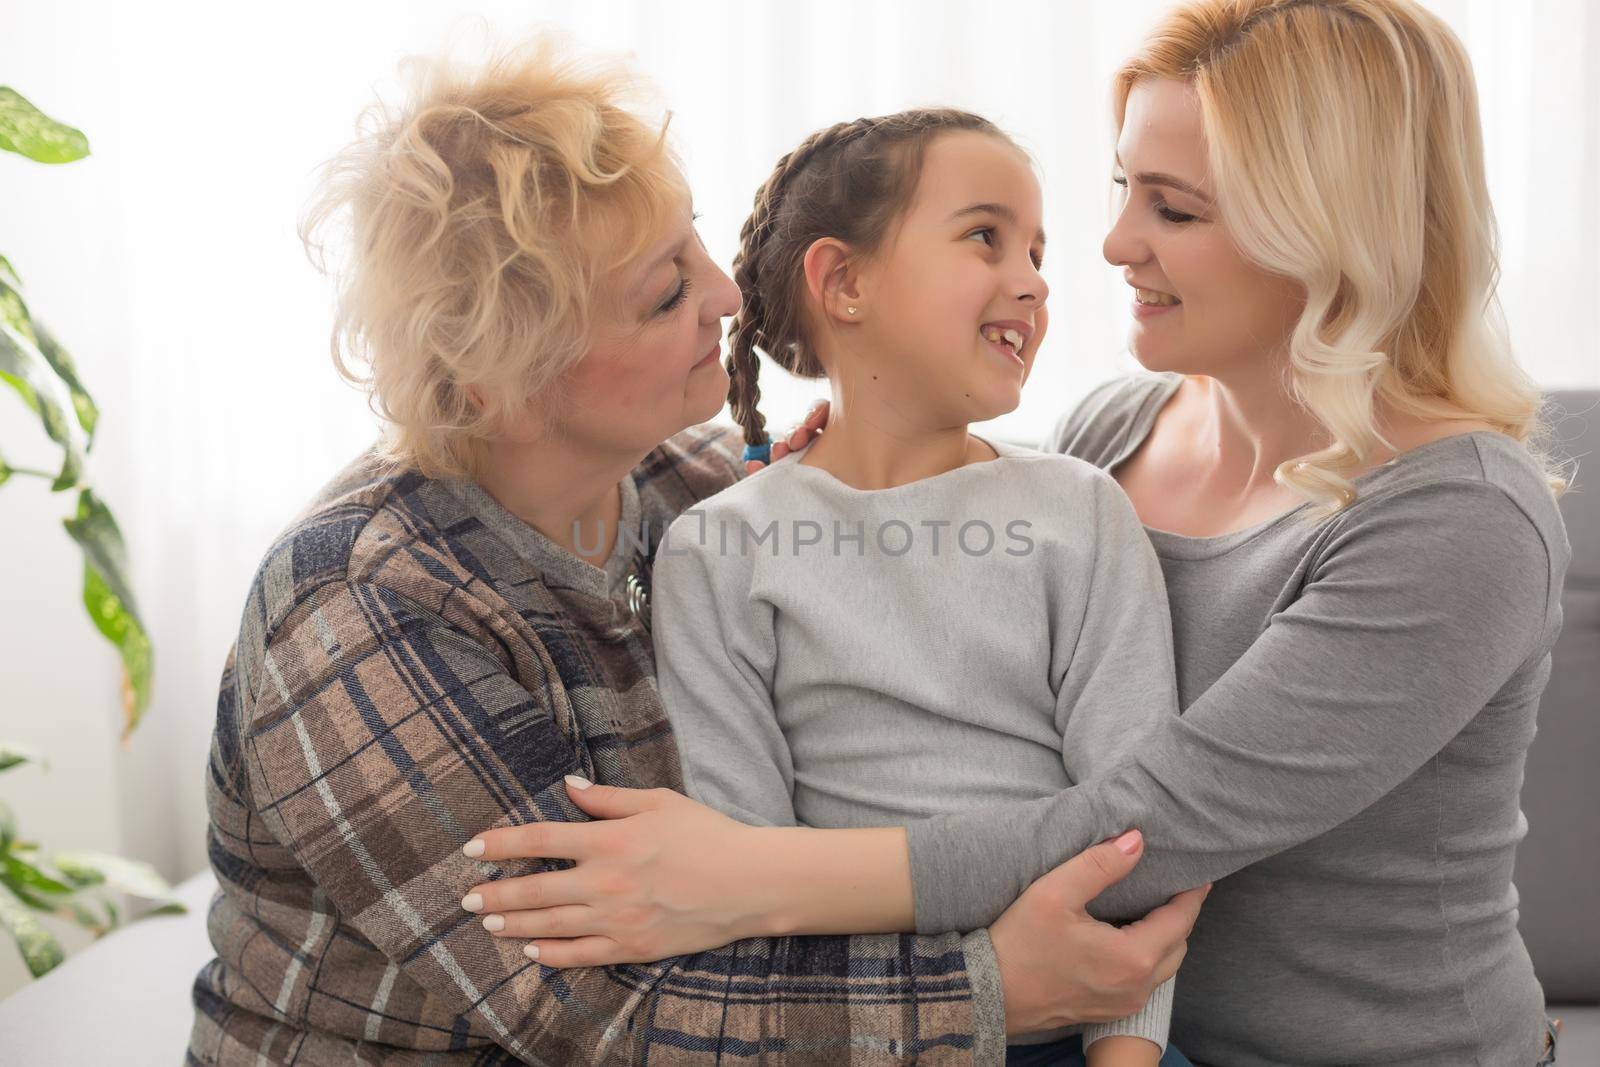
{"x":850,"y":182}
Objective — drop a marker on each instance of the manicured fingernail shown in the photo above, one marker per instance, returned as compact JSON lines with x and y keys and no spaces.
{"x":473,"y":848}
{"x":472,"y":902}
{"x":1128,"y":843}
{"x":575,"y":782}
{"x":494,"y":923}
{"x":531,"y":950}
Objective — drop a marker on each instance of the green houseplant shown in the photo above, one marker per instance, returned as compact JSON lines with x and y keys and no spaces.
{"x":79,"y":887}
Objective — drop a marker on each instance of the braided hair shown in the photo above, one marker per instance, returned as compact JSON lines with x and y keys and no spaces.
{"x":849,"y":182}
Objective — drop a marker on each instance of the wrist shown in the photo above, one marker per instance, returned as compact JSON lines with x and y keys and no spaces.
{"x":830,"y":881}
{"x":765,"y":858}
{"x":1020,"y":1014}
{"x":1123,"y":1051}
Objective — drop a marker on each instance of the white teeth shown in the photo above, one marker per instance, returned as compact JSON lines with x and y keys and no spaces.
{"x":995,"y":334}
{"x":1150,"y":296}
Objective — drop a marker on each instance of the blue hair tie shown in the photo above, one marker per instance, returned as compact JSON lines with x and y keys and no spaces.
{"x":758,"y":452}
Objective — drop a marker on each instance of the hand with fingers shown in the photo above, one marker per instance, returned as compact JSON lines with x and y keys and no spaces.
{"x":1060,"y":966}
{"x":645,"y":884}
{"x":658,"y":874}
{"x":797,"y":437}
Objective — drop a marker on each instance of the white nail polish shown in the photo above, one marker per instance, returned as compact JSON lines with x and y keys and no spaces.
{"x":473,"y":848}
{"x":472,"y":902}
{"x":494,"y":923}
{"x":531,"y":951}
{"x":576,"y":782}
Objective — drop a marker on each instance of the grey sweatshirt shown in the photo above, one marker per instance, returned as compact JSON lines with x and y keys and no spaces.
{"x":836,"y":657}
{"x":1359,"y":694}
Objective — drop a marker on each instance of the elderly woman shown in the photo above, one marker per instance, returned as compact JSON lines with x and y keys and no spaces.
{"x":444,"y":642}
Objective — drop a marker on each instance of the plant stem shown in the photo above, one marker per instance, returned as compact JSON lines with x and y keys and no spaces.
{"x":46,"y":475}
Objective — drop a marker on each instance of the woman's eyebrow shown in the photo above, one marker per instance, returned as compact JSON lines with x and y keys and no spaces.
{"x":999,"y":210}
{"x":666,"y":257}
{"x":651,"y":269}
{"x":1155,"y":177}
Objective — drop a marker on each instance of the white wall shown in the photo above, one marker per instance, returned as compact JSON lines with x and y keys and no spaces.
{"x":168,"y":263}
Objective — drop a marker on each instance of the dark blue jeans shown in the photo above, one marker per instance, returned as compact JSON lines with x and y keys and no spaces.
{"x":1068,"y":1052}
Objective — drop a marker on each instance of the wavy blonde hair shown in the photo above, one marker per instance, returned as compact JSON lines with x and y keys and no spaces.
{"x":482,"y":218}
{"x":1347,"y":155}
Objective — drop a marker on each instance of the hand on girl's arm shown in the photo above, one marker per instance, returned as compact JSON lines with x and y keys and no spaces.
{"x":663,"y":875}
{"x":1059,"y":966}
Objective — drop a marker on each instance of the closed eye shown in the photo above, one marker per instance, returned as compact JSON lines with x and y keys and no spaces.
{"x":1177,"y":218}
{"x":676,"y":300}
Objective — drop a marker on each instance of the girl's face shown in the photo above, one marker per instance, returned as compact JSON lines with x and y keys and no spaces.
{"x":1199,"y":306}
{"x":655,"y":366}
{"x":952,"y":308}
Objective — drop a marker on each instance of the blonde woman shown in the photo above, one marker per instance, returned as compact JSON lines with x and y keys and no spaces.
{"x":447,"y":639}
{"x":1362,"y":551}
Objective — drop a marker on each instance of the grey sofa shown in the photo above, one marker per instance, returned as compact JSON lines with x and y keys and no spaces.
{"x":1558,"y":864}
{"x":89,"y":1011}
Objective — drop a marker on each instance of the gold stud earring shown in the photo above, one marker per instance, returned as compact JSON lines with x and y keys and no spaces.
{"x":851,"y":309}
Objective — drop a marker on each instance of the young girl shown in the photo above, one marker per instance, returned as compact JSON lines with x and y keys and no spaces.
{"x":905,"y":620}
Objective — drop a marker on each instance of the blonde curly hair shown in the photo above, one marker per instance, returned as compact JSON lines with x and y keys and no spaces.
{"x":1347,"y":152}
{"x":481,"y":220}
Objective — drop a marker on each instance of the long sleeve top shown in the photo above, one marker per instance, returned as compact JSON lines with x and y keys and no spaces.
{"x":1359,"y":695}
{"x":835,"y":657}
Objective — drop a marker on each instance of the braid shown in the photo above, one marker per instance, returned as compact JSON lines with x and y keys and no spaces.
{"x":854,"y":198}
{"x":750,"y":326}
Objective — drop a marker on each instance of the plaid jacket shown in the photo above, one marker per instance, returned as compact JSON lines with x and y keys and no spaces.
{"x":415,"y":666}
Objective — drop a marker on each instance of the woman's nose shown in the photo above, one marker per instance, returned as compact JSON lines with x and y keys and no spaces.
{"x":1123,"y":246}
{"x":725,"y":298}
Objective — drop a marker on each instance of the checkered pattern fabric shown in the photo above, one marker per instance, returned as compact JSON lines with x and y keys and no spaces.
{"x":406,"y":676}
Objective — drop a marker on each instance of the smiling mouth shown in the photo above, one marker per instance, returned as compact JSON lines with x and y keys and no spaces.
{"x":1011,"y":339}
{"x":1155,"y":298}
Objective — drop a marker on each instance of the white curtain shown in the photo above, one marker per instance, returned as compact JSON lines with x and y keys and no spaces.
{"x":168,"y":262}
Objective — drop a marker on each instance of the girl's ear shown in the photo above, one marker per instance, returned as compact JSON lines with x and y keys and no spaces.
{"x":833,"y":281}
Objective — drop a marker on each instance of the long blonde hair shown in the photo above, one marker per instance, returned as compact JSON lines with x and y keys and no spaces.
{"x":1347,"y":154}
{"x":480,"y":220}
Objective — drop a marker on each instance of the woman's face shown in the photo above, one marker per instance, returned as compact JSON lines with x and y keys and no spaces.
{"x":1199,"y":306}
{"x":655,"y":366}
{"x":960,"y":274}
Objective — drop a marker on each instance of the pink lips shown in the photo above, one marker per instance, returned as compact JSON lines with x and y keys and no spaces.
{"x":1001,"y":347}
{"x":1005,"y":350}
{"x":711,"y":356}
{"x":1145,"y":311}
